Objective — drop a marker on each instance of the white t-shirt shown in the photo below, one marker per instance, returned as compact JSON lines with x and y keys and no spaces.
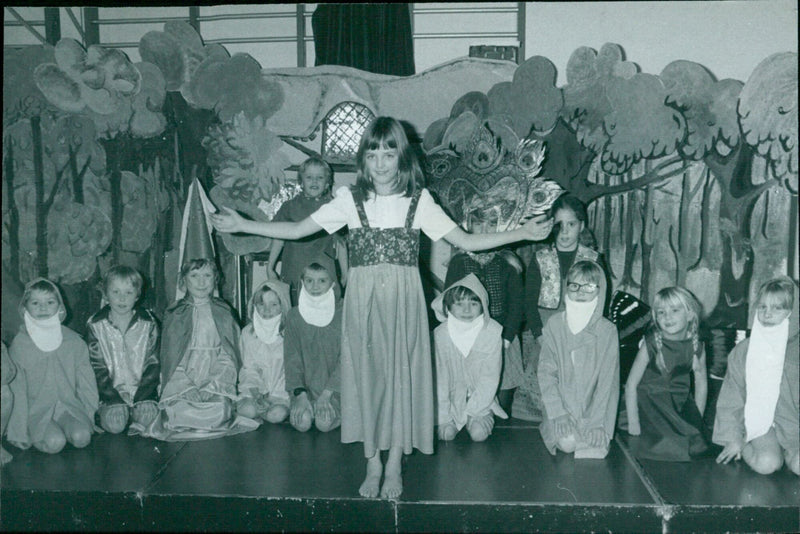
{"x":384,"y":211}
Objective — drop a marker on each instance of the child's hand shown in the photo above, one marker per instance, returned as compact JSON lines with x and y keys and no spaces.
{"x":634,"y":429}
{"x":564,"y":426}
{"x":298,"y":406}
{"x":114,"y":417}
{"x":323,"y":409}
{"x":596,"y":437}
{"x":732,"y":451}
{"x":228,"y":221}
{"x":538,"y":227}
{"x":144,"y":412}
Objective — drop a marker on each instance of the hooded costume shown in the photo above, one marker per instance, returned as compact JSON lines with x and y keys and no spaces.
{"x":466,"y":384}
{"x":262,"y":350}
{"x":579,"y":376}
{"x":729,"y":424}
{"x":312,"y":351}
{"x":504,"y":285}
{"x":49,"y":384}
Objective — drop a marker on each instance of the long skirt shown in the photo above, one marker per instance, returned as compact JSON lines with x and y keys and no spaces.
{"x":387,"y":384}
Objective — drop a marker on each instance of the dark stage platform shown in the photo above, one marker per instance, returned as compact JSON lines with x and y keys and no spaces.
{"x":276,"y":479}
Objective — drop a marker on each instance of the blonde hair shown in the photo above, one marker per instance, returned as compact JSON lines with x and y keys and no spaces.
{"x":676,"y":295}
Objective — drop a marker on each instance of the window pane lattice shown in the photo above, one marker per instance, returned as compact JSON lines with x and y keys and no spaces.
{"x":343,"y":128}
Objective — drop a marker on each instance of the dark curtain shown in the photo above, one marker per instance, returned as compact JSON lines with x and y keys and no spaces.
{"x":371,"y":37}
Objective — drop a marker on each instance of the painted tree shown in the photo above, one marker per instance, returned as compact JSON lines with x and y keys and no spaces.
{"x":709,"y":108}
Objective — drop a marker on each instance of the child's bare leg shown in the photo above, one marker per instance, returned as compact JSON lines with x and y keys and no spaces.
{"x":369,"y":488}
{"x":792,"y":460}
{"x":54,"y":439}
{"x":763,"y":454}
{"x":6,"y":404}
{"x":393,"y":481}
{"x":78,"y":433}
{"x":277,"y":413}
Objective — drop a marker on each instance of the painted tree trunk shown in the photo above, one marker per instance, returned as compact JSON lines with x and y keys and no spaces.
{"x":41,"y":207}
{"x":13,"y":216}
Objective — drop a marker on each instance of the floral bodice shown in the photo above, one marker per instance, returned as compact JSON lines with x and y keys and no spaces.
{"x":372,"y":246}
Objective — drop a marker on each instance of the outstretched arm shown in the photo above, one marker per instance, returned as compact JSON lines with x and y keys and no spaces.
{"x":536,"y":229}
{"x":229,"y":221}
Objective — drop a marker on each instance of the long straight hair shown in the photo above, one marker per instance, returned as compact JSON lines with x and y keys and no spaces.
{"x":387,"y":132}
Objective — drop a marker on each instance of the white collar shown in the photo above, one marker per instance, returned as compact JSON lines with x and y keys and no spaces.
{"x":579,"y":313}
{"x":319,"y":310}
{"x":45,"y":333}
{"x":464,"y":333}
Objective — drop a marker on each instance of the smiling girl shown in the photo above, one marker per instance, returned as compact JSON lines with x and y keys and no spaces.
{"x":660,"y":406}
{"x":387,"y":384}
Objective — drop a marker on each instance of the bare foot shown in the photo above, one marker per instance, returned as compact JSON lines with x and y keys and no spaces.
{"x":392,"y":484}
{"x":5,"y":456}
{"x":369,"y":488}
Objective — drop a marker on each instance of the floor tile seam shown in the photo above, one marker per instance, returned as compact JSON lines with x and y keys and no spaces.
{"x":161,"y":470}
{"x":648,"y":482}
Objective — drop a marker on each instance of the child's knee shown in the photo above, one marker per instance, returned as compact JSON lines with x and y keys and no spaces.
{"x":567,"y":444}
{"x":277,"y":414}
{"x":246,"y":408}
{"x":477,"y":433}
{"x":448,"y":432}
{"x":80,"y":437}
{"x":304,"y":422}
{"x":53,"y":442}
{"x":327,"y":426}
{"x":764,"y":462}
{"x":114,"y":421}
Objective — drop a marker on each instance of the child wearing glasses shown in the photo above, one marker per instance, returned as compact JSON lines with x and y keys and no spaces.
{"x":578,"y":369}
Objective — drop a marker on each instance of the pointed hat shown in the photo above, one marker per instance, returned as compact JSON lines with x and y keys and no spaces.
{"x":196,"y":242}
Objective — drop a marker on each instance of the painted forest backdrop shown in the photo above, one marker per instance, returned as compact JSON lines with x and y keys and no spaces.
{"x":689,"y":179}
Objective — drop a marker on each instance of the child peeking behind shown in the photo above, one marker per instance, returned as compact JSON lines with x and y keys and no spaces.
{"x":469,"y":356}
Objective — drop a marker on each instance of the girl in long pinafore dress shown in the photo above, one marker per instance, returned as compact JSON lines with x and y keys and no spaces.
{"x":387,"y":386}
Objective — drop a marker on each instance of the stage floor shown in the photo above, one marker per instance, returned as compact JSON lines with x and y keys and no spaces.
{"x":277,"y":479}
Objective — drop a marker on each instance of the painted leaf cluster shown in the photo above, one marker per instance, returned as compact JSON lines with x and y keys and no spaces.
{"x":708,"y":106}
{"x":768,"y":112}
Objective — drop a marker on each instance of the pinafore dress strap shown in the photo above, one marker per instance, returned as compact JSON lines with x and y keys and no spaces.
{"x":412,"y":208}
{"x":362,"y":215}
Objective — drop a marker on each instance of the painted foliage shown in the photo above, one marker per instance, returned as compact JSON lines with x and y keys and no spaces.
{"x":689,"y":179}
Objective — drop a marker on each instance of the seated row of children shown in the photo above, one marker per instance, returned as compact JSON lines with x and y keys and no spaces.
{"x":578,"y":375}
{"x":195,"y":378}
{"x":285,"y":364}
